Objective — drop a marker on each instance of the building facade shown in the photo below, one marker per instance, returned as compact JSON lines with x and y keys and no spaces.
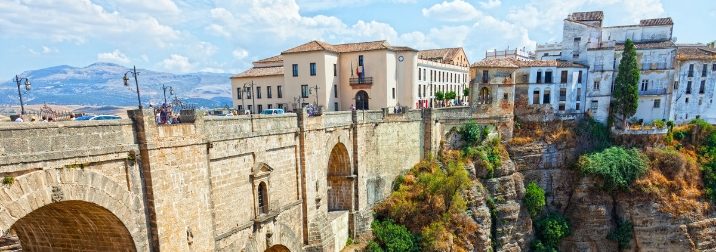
{"x":693,"y":90}
{"x":366,"y":75}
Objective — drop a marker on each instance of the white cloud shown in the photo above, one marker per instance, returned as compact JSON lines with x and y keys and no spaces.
{"x":115,"y":57}
{"x":46,"y":49}
{"x":454,"y":11}
{"x":212,"y":70}
{"x":33,"y":52}
{"x":240,"y":54}
{"x":177,"y":63}
{"x":145,"y":58}
{"x":643,"y":9}
{"x":490,"y":4}
{"x":164,"y":10}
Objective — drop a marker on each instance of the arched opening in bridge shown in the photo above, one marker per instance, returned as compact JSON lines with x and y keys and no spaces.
{"x":73,"y":226}
{"x":340,"y":194}
{"x":278,"y":248}
{"x":362,"y":100}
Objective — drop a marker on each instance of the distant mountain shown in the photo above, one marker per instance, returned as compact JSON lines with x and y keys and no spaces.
{"x":101,"y":84}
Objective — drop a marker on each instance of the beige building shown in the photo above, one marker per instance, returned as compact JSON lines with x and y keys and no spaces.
{"x":366,"y":75}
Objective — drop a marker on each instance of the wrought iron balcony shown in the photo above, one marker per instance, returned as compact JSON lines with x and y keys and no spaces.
{"x":361,"y":81}
{"x":660,"y":91}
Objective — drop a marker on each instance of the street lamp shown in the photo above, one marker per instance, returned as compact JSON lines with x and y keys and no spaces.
{"x":27,"y":88}
{"x":126,"y":84}
{"x":248,"y":88}
{"x":171,"y":92}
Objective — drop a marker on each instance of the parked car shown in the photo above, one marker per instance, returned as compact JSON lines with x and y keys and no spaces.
{"x":97,"y":117}
{"x":224,"y":114}
{"x":272,"y":112}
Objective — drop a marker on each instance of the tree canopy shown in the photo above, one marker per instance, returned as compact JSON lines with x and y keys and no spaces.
{"x":626,"y":86}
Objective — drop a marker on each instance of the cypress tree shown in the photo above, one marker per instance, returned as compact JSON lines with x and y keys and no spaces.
{"x":626,"y":86}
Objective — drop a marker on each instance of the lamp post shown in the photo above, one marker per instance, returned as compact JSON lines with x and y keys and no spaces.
{"x":27,"y":88}
{"x":126,"y":84}
{"x":248,"y":88}
{"x":171,"y":92}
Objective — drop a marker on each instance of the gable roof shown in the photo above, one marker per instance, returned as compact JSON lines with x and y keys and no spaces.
{"x":342,"y":48}
{"x":515,"y":63}
{"x":277,"y":58}
{"x":445,"y":53}
{"x":656,"y":22}
{"x":648,"y":45}
{"x":695,"y":53}
{"x":587,"y":16}
{"x":260,"y":72}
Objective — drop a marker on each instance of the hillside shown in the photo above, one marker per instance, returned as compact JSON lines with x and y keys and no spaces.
{"x":101,"y":84}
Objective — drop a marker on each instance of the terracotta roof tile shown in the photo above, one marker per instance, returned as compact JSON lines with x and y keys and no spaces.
{"x":497,"y":62}
{"x":648,"y":45}
{"x":515,"y":63}
{"x":689,"y":53}
{"x":351,"y":47}
{"x":656,"y":21}
{"x":445,"y":53}
{"x":311,"y":47}
{"x":277,"y":58}
{"x":587,"y":16}
{"x":260,"y":71}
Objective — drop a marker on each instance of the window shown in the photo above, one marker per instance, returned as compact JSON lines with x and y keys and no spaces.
{"x":248,"y":93}
{"x":268,"y":92}
{"x":360,"y":60}
{"x":535,"y":96}
{"x":702,"y":87}
{"x":393,"y":93}
{"x":561,"y":107}
{"x":270,"y":106}
{"x":575,"y":57}
{"x":262,"y":198}
{"x":539,"y":77}
{"x":687,"y":99}
{"x":335,"y":106}
{"x":688,"y":87}
{"x":548,"y":77}
{"x":240,"y":107}
{"x":419,"y":71}
{"x":295,"y":70}
{"x":505,"y":96}
{"x":691,"y":70}
{"x":676,"y":85}
{"x":564,"y":77}
{"x":313,"y":69}
{"x":657,"y":103}
{"x":701,"y":100}
{"x":562,"y":94}
{"x":595,"y":105}
{"x":576,"y":107}
{"x":280,"y":91}
{"x":260,"y":108}
{"x":424,"y":75}
{"x":258,"y":92}
{"x":335,"y":70}
{"x":335,"y":91}
{"x":251,"y":108}
{"x":596,"y":85}
{"x":280,"y":106}
{"x":713,"y":67}
{"x":239,"y":91}
{"x":703,"y":71}
{"x":579,"y":78}
{"x":644,"y":85}
{"x":304,"y":91}
{"x":646,"y":64}
{"x":546,"y":98}
{"x":484,"y":76}
{"x":579,"y":94}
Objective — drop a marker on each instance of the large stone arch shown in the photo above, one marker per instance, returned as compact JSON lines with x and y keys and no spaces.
{"x":281,"y":237}
{"x":81,"y":197}
{"x":340,"y":180}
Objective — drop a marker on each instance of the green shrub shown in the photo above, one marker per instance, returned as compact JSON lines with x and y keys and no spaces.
{"x":487,"y":157}
{"x":8,"y":180}
{"x":373,"y":247}
{"x":551,"y":229}
{"x":679,"y":135}
{"x":658,"y":124}
{"x":391,"y":237}
{"x":622,"y":234}
{"x":470,"y":132}
{"x":616,"y":166}
{"x":537,"y":246}
{"x":709,"y":174}
{"x":592,"y":135}
{"x":534,"y":199}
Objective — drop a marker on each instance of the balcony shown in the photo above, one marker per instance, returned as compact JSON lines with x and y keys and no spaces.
{"x":661,"y":91}
{"x":361,"y":81}
{"x":598,"y":67}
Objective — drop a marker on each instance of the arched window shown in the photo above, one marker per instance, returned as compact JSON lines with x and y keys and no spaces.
{"x":539,"y":76}
{"x":262,"y":198}
{"x":535,"y":96}
{"x":547,"y":97}
{"x":484,"y":97}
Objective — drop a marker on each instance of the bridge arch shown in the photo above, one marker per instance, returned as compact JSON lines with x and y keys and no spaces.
{"x":340,"y":182}
{"x":72,"y":209}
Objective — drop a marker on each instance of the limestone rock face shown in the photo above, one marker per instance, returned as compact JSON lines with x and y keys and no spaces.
{"x":480,"y":213}
{"x":590,"y":213}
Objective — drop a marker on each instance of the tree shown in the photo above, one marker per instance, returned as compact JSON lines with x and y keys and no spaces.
{"x":439,"y":96}
{"x":450,"y":95}
{"x":466,"y":92}
{"x":711,"y":44}
{"x":626,"y":86}
{"x":534,"y":199}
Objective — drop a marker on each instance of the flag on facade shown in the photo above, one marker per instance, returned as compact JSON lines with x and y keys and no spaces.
{"x":362,"y":71}
{"x":357,"y":72}
{"x":351,"y":69}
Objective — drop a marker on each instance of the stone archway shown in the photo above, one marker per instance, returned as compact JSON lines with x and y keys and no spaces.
{"x":277,"y":248}
{"x":340,"y":182}
{"x":73,"y":226}
{"x":361,"y":100}
{"x":72,"y":209}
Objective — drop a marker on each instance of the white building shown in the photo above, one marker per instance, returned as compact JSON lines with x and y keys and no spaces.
{"x":520,"y":54}
{"x":693,"y":90}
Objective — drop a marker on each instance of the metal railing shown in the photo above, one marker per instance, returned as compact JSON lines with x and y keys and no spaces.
{"x":361,"y":81}
{"x":599,"y":67}
{"x":660,"y":91}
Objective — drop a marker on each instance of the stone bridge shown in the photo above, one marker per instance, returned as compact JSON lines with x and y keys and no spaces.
{"x":245,"y":183}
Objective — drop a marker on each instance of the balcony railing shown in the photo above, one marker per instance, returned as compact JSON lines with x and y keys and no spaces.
{"x":361,"y":81}
{"x":660,"y":91}
{"x":599,"y":67}
{"x":484,"y":99}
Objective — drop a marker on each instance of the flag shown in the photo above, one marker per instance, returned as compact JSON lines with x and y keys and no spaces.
{"x":357,"y":72}
{"x":362,"y":71}
{"x":351,"y":69}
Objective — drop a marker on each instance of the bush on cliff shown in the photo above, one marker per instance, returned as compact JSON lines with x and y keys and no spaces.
{"x":622,"y":234}
{"x":488,"y":157}
{"x":592,"y":136}
{"x":534,"y":199}
{"x":392,"y":237}
{"x":616,"y":167}
{"x":550,"y":230}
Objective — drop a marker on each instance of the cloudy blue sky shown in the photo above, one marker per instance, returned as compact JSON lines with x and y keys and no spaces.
{"x":182,"y":36}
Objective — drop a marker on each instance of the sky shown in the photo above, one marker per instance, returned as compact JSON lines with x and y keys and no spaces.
{"x":225,"y":36}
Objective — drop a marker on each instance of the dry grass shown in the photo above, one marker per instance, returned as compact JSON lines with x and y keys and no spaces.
{"x":519,"y":141}
{"x":550,"y":132}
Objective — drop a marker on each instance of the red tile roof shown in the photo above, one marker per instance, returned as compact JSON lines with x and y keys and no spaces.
{"x":515,"y":63}
{"x":648,"y":45}
{"x":656,"y":21}
{"x":587,"y":16}
{"x":277,"y":58}
{"x":445,"y":53}
{"x":260,"y":71}
{"x":341,"y":48}
{"x":695,"y":53}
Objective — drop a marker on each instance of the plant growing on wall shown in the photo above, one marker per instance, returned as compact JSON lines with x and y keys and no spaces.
{"x":534,"y":199}
{"x":8,"y":180}
{"x":626,"y":86}
{"x":622,"y":234}
{"x":616,"y":166}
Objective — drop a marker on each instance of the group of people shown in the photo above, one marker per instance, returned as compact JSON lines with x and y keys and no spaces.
{"x":44,"y":119}
{"x":165,"y":115}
